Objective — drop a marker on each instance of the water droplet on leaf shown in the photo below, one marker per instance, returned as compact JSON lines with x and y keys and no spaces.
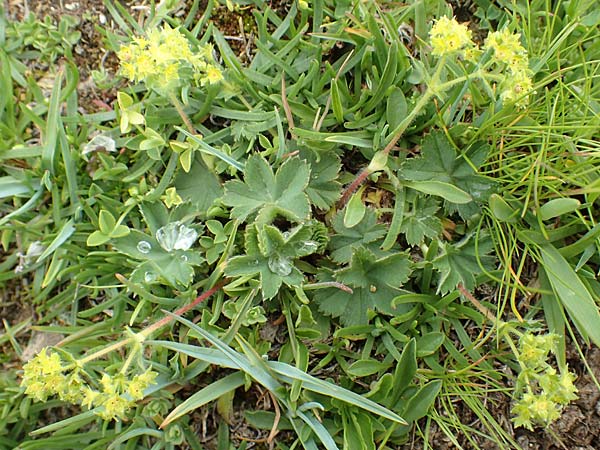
{"x":280,"y":265}
{"x":308,"y":247}
{"x":100,"y":143}
{"x":144,"y":247}
{"x":149,"y":277}
{"x":176,"y":236}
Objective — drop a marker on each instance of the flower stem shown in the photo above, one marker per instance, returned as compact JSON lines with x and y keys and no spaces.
{"x":182,"y":114}
{"x":379,"y":160}
{"x":145,"y":333}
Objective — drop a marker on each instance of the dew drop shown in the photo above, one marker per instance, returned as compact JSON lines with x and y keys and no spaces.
{"x":144,"y":247}
{"x":309,"y":247}
{"x":280,"y":265}
{"x":149,"y":277}
{"x":176,"y":236}
{"x":184,"y":258}
{"x":100,"y":143}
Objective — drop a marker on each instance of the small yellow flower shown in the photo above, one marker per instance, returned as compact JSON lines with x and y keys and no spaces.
{"x":108,"y":384}
{"x":114,"y":407}
{"x":37,"y":390}
{"x":543,"y":409}
{"x":213,"y":75}
{"x":126,"y":52}
{"x":128,"y":70}
{"x":89,"y":397}
{"x":170,"y":74}
{"x":72,"y":388}
{"x":447,"y":36}
{"x":567,"y":390}
{"x":46,"y":362}
{"x":516,"y":87}
{"x":507,"y":49}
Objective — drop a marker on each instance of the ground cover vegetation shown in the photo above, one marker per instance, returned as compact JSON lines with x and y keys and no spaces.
{"x":373,"y":220}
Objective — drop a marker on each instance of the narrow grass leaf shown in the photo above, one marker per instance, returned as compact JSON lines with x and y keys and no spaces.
{"x":331,"y":390}
{"x":208,"y":394}
{"x":583,"y":243}
{"x":319,"y":430}
{"x":572,"y":293}
{"x":11,"y":187}
{"x":501,"y":210}
{"x":204,"y":147}
{"x":406,"y":370}
{"x":397,"y":219}
{"x":65,"y":233}
{"x":336,"y":102}
{"x":210,"y":355}
{"x":242,"y":361}
{"x":418,"y":405}
{"x":53,"y":123}
{"x":136,"y":432}
{"x":79,"y":419}
{"x":555,"y":317}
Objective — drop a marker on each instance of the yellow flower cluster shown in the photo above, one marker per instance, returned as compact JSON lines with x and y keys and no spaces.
{"x":447,"y":37}
{"x":46,"y":375}
{"x":508,"y":51}
{"x":546,"y":392}
{"x":43,"y":377}
{"x":119,"y":394}
{"x":164,"y":60}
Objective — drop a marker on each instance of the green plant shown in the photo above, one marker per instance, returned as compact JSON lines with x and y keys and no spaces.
{"x":357,"y":223}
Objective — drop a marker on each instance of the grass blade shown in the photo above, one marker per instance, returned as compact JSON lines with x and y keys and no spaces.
{"x":206,"y":395}
{"x":572,"y":293}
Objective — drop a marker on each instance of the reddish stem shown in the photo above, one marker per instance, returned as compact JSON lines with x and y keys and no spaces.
{"x":352,"y":187}
{"x":179,"y":312}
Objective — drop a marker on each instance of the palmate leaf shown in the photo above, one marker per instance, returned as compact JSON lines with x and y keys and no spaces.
{"x":439,"y":162}
{"x":267,"y":194}
{"x":200,"y":186}
{"x":374,"y":281}
{"x":175,"y":267}
{"x":462,"y":262}
{"x":323,"y":189}
{"x":270,"y":254}
{"x":367,"y":234}
{"x":420,"y":221}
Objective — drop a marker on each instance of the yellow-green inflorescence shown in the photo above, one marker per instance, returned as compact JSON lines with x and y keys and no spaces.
{"x":509,"y":53}
{"x":447,"y":37}
{"x":47,"y":375}
{"x":508,"y":57}
{"x":543,"y":391}
{"x":164,"y":60}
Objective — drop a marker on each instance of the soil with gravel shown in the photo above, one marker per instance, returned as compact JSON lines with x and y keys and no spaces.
{"x":579,"y":426}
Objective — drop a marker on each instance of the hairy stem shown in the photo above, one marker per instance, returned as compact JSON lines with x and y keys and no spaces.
{"x":145,"y":333}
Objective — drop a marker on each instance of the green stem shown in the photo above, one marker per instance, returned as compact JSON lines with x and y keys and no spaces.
{"x":434,"y":88}
{"x":181,"y":112}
